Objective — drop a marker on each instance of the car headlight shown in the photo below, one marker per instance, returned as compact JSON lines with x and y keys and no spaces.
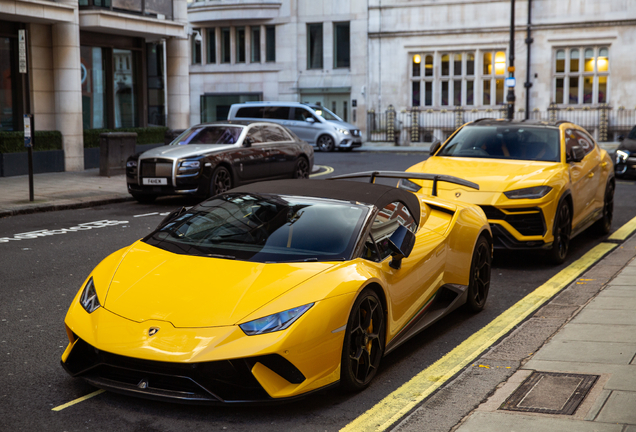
{"x":276,"y":322}
{"x":343,"y":131}
{"x":621,"y":156}
{"x":409,"y":185}
{"x":88,"y":299}
{"x":529,"y":193}
{"x":131,"y":164}
{"x":191,"y":166}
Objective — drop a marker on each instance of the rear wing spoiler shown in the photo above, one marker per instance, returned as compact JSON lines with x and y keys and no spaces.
{"x":406,"y":175}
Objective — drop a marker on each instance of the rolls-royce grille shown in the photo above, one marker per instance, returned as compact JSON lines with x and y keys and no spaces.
{"x":528,"y":221}
{"x":160,"y":168}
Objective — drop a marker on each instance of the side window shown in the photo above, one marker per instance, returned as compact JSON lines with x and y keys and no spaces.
{"x":384,"y":225}
{"x":273,"y":134}
{"x":302,"y":114}
{"x":255,"y":134}
{"x":250,"y":112}
{"x":576,"y":138}
{"x":278,"y":113}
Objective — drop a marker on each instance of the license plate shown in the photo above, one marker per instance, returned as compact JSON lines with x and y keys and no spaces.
{"x":155,"y":181}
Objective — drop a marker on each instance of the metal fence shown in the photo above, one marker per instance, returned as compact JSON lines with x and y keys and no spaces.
{"x":426,"y":125}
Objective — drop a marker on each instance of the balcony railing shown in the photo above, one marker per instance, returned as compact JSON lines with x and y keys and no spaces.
{"x":152,"y":8}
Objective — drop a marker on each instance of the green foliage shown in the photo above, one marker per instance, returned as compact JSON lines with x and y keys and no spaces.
{"x":149,"y":135}
{"x":13,"y":142}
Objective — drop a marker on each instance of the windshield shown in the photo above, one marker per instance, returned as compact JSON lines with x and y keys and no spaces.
{"x":519,"y":142}
{"x":325,"y":113}
{"x":265,"y":229}
{"x":209,"y":135}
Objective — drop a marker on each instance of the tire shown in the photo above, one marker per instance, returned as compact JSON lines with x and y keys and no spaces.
{"x":363,"y":345}
{"x":221,"y":181}
{"x":604,"y":224}
{"x":479,"y":284}
{"x":562,"y":231}
{"x":325,"y":143}
{"x":144,"y":199}
{"x":301,"y":171}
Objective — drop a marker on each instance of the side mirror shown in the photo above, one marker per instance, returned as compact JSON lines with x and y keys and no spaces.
{"x":247,"y":142}
{"x":310,"y":120}
{"x":434,"y":147}
{"x":172,"y":216}
{"x":620,"y":138}
{"x":576,"y":154}
{"x":401,"y":244}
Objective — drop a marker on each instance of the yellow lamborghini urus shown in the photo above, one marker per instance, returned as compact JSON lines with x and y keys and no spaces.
{"x":277,"y":289}
{"x":540,"y":183}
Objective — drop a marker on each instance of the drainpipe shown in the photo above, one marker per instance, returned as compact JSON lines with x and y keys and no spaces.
{"x":529,"y":41}
{"x":165,"y":83}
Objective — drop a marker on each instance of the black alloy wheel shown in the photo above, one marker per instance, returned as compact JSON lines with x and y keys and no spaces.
{"x":604,"y":224}
{"x":326,"y":143}
{"x":363,"y":343}
{"x":221,"y":181}
{"x":479,"y":275}
{"x":144,"y":199}
{"x":562,"y":231}
{"x":302,"y":168}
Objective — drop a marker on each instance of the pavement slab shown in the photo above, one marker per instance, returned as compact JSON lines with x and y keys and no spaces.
{"x":508,"y":422}
{"x":619,"y":408}
{"x":598,"y":333}
{"x":586,"y":352}
{"x":620,"y":377}
{"x":612,"y":302}
{"x":605,"y":316}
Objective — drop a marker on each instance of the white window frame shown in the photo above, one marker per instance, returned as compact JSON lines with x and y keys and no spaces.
{"x":566,"y":75}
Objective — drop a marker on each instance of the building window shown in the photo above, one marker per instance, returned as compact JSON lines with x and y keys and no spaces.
{"x":255,"y":45}
{"x":240,"y":44}
{"x":341,"y":45}
{"x":581,"y":75}
{"x":457,"y":80}
{"x":94,"y":107}
{"x":270,"y":44}
{"x":211,"y":46}
{"x":196,"y":46}
{"x":156,"y":85}
{"x":314,"y":46}
{"x":226,"y":55}
{"x":125,"y":88}
{"x":217,"y":106}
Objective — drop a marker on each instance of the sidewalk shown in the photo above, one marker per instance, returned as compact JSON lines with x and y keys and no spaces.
{"x":570,"y":367}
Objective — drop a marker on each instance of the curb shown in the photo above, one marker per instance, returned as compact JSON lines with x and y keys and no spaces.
{"x":64,"y":206}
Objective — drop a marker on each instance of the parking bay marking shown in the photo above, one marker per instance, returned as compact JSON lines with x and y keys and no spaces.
{"x":623,"y":232}
{"x":328,"y":170}
{"x":78,"y":400}
{"x":399,"y":403}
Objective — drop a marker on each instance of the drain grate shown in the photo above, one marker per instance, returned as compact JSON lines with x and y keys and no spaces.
{"x":550,"y":393}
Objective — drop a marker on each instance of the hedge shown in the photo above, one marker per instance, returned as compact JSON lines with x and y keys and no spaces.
{"x":148,"y":135}
{"x":13,"y":142}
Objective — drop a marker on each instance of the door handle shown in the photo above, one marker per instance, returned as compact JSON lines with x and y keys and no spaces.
{"x":590,"y":175}
{"x":604,"y":164}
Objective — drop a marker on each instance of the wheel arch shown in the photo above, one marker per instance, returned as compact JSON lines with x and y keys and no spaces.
{"x":220,"y":163}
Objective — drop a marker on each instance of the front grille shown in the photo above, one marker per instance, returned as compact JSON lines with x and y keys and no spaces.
{"x":216,"y":381}
{"x":528,"y":224}
{"x":156,"y":168}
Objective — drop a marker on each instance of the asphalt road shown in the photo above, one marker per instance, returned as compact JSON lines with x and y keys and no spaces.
{"x":39,"y":277}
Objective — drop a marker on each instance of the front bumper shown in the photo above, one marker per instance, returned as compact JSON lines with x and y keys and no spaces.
{"x":214,"y":382}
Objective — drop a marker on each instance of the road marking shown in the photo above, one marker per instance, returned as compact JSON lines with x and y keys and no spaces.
{"x":46,"y":232}
{"x":78,"y":400}
{"x":328,"y":170}
{"x":147,"y":214}
{"x":396,"y":405}
{"x":625,"y":231}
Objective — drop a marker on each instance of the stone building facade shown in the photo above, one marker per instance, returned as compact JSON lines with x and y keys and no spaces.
{"x":417,"y":55}
{"x":93,"y":64}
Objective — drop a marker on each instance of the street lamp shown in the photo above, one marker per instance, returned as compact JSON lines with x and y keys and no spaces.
{"x":510,"y":82}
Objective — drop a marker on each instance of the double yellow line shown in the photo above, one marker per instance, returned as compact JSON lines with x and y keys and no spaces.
{"x":396,"y":405}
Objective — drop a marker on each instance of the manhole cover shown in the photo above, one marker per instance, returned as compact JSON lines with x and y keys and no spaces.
{"x":550,"y":393}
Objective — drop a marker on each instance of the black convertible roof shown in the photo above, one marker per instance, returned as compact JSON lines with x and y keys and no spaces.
{"x":367,"y":193}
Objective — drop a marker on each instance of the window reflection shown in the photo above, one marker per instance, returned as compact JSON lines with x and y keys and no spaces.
{"x":125,"y":89}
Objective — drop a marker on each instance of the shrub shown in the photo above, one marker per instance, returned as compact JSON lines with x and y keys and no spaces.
{"x":148,"y":135}
{"x":13,"y":142}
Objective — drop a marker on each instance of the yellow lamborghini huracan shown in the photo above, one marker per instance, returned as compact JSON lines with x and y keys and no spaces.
{"x":277,"y":289}
{"x":540,"y":183}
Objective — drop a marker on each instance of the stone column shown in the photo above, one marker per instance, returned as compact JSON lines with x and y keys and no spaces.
{"x":178,"y":72}
{"x":68,"y":90}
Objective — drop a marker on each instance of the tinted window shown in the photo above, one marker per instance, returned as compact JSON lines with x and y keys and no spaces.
{"x":384,"y":225}
{"x":250,"y":112}
{"x":265,"y":229}
{"x":209,"y":135}
{"x":301,"y":114}
{"x":632,"y":134}
{"x":274,"y":134}
{"x":255,"y":134}
{"x":519,"y":142}
{"x":274,"y":112}
{"x":326,"y":114}
{"x":577,"y":138}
